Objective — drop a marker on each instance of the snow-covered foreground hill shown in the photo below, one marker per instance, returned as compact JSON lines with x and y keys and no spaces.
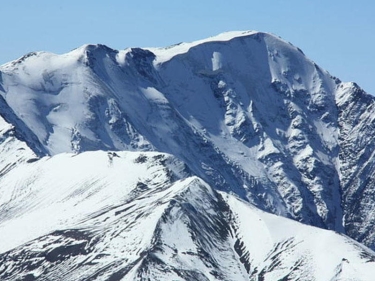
{"x":99,"y":149}
{"x":142,"y":216}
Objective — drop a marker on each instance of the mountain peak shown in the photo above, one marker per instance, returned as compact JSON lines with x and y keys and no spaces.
{"x":166,"y":53}
{"x":247,"y":113}
{"x":95,"y":49}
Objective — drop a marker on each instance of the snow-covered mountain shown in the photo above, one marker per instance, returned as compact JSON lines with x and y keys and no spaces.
{"x":143,"y":216}
{"x":156,"y":163}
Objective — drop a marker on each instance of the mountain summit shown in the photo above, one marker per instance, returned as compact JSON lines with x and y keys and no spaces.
{"x":168,"y":163}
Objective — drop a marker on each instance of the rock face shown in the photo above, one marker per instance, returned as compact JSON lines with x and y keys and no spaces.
{"x":246,"y":113}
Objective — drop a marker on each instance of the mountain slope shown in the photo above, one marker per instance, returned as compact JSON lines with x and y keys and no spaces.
{"x":356,"y":122}
{"x":246,"y":111}
{"x":140,"y":216}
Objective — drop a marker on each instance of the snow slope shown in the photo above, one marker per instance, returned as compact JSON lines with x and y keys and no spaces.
{"x":245,"y":112}
{"x":141,"y":216}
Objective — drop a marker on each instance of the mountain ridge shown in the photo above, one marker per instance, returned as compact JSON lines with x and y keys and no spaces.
{"x":158,"y":227}
{"x":246,"y":112}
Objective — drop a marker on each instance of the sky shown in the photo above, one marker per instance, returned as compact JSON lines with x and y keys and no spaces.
{"x":338,"y":35}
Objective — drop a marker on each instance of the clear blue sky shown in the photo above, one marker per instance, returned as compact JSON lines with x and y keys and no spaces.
{"x":338,"y":35}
